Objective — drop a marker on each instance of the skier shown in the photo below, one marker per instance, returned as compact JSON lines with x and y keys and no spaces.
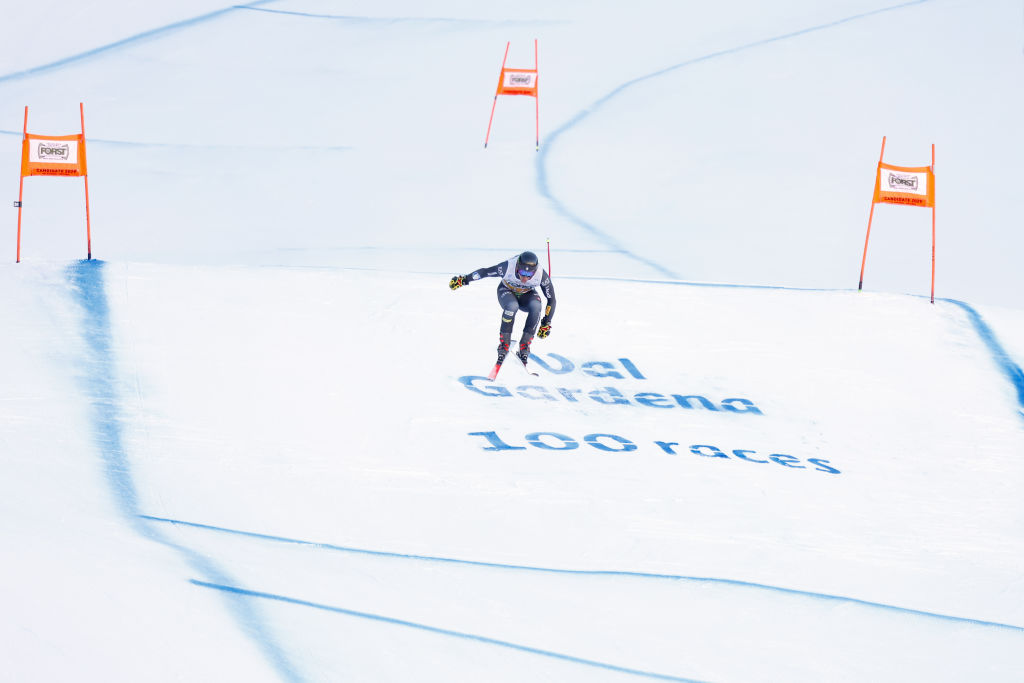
{"x":520,"y":275}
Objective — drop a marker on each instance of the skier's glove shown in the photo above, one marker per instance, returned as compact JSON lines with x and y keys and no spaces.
{"x":456,"y":282}
{"x":545,"y":329}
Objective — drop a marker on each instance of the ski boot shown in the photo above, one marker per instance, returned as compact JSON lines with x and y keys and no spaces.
{"x":504,"y":341}
{"x":523,"y":354}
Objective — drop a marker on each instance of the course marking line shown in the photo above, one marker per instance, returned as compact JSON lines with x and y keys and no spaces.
{"x":586,"y":572}
{"x":442,"y":631}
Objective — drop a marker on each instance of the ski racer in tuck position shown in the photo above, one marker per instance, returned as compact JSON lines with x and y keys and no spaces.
{"x":520,"y":276}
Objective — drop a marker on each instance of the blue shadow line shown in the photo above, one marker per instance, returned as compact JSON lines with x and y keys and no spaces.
{"x":543,"y":185}
{"x":999,"y":354}
{"x":588,"y":572}
{"x":678,"y":282}
{"x":100,"y":390}
{"x":356,"y":19}
{"x":442,"y":631}
{"x":137,"y":38}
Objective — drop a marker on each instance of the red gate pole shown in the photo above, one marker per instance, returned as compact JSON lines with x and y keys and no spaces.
{"x":860,"y":284}
{"x":537,"y":95}
{"x":21,"y":182}
{"x":933,"y":224}
{"x":88,"y":225}
{"x":495,"y":104}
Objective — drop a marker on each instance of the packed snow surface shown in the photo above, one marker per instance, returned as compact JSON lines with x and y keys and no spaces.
{"x":252,"y":438}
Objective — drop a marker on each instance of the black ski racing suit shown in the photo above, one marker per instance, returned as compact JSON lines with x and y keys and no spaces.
{"x":514,"y":295}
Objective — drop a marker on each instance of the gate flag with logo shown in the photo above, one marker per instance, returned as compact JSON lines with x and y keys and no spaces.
{"x":54,"y":155}
{"x":906,"y":185}
{"x":517,"y":82}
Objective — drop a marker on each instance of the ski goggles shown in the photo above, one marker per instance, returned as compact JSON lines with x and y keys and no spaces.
{"x":525,"y":273}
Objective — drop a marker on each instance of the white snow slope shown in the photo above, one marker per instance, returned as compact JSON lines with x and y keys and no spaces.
{"x":251,"y":440}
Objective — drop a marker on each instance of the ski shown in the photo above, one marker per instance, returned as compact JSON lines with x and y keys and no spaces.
{"x":494,"y":371}
{"x":497,"y":366}
{"x":501,"y":359}
{"x":527,"y":369}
